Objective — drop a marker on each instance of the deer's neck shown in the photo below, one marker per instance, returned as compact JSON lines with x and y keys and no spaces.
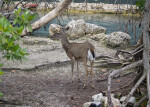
{"x":64,"y":42}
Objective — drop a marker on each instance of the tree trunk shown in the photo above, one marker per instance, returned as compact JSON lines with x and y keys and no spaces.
{"x":49,"y":16}
{"x":146,"y":45}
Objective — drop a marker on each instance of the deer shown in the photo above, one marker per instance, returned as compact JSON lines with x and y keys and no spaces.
{"x":83,"y":52}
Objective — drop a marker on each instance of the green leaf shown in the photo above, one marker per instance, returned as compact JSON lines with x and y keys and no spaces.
{"x":19,"y":9}
{"x":31,"y":17}
{"x":29,"y":27}
{"x":1,"y":94}
{"x":5,"y":24}
{"x":15,"y":21}
{"x":1,"y":72}
{"x":0,"y":80}
{"x":1,"y":65}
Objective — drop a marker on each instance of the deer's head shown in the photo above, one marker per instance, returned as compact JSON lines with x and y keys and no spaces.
{"x":61,"y":34}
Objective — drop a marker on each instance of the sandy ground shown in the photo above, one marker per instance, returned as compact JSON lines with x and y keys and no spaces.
{"x":45,"y":79}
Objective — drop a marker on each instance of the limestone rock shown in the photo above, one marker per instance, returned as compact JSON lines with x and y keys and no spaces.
{"x":54,"y":28}
{"x":76,"y":28}
{"x":98,"y":97}
{"x":99,"y":37}
{"x":87,"y":104}
{"x":115,"y":102}
{"x":118,"y":39}
{"x":92,"y":104}
{"x":94,"y":29}
{"x":131,"y":101}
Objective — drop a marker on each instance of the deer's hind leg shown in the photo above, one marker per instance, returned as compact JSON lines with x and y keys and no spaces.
{"x":86,"y":71}
{"x":91,"y":73}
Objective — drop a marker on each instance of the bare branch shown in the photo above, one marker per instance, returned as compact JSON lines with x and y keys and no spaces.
{"x":50,"y":16}
{"x":114,"y":73}
{"x":133,"y":90}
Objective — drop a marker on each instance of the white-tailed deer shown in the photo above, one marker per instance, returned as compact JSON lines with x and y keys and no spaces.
{"x":79,"y":52}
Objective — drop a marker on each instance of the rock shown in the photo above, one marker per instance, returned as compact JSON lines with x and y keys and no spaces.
{"x":131,"y":101}
{"x":94,"y":29}
{"x":99,"y":37}
{"x":92,"y":104}
{"x":54,"y":28}
{"x":115,"y":102}
{"x":96,"y":104}
{"x":118,"y":39}
{"x":87,"y":104}
{"x":33,"y":41}
{"x":76,"y":28}
{"x":98,"y":97}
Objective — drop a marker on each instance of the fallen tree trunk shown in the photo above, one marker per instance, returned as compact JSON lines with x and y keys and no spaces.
{"x":49,"y":16}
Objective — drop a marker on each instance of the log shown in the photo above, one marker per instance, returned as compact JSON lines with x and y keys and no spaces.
{"x":49,"y":16}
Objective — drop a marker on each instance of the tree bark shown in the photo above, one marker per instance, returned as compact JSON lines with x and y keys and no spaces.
{"x":146,"y":22}
{"x":49,"y":16}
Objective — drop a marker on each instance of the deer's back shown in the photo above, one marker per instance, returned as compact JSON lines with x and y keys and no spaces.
{"x":80,"y":50}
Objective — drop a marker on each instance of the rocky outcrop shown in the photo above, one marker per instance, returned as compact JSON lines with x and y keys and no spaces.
{"x":94,"y":29}
{"x":99,"y":99}
{"x":54,"y":28}
{"x":78,"y":28}
{"x":118,"y":39}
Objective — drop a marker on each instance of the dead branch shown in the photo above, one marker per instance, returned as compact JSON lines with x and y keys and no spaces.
{"x":133,"y":90}
{"x":141,"y":101}
{"x":114,"y":73}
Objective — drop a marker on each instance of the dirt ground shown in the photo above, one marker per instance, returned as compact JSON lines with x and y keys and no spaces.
{"x":53,"y":87}
{"x":50,"y":85}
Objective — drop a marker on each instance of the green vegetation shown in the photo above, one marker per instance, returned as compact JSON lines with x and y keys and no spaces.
{"x":10,"y":36}
{"x":140,"y":4}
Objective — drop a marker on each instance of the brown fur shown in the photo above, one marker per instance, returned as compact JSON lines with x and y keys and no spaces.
{"x":78,"y":52}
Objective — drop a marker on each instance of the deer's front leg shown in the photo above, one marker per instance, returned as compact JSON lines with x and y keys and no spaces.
{"x":86,"y":71}
{"x":72,"y":69}
{"x":78,"y":71}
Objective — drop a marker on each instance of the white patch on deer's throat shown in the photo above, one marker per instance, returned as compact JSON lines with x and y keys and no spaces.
{"x":90,"y":56}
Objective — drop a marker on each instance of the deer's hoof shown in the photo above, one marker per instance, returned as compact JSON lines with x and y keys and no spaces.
{"x":79,"y":80}
{"x":84,"y":87}
{"x":93,"y":87}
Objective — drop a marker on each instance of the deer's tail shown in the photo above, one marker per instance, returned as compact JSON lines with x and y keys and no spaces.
{"x":91,"y":54}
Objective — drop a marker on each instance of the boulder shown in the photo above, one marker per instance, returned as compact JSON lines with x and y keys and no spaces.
{"x":54,"y":28}
{"x":131,"y":101}
{"x":92,"y":104}
{"x":87,"y":104}
{"x":98,"y":97}
{"x":99,"y":37}
{"x":115,"y":102}
{"x":94,"y":29}
{"x":76,"y":28}
{"x":118,"y":39}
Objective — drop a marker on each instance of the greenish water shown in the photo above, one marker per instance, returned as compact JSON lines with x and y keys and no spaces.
{"x":109,"y":21}
{"x":96,"y":1}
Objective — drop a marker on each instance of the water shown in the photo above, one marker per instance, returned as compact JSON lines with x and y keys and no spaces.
{"x":95,"y":1}
{"x":109,"y":21}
